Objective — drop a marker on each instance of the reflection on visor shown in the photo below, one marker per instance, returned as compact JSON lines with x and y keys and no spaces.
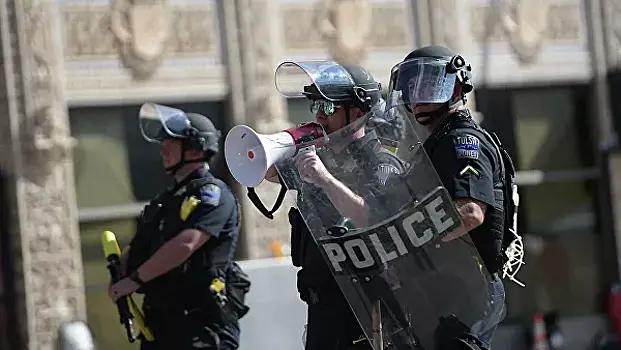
{"x":328,"y":108}
{"x":425,"y":81}
{"x":331,"y":80}
{"x":158,"y":122}
{"x":178,"y":124}
{"x":331,"y":74}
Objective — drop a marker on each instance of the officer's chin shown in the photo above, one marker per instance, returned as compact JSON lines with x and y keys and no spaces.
{"x":168,"y":167}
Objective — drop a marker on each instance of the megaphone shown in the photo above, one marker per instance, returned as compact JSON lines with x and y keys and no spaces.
{"x":249,"y":154}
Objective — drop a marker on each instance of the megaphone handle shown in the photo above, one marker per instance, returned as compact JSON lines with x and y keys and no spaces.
{"x":310,"y":148}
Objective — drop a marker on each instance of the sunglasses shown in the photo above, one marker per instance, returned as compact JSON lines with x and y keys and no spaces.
{"x":328,"y":108}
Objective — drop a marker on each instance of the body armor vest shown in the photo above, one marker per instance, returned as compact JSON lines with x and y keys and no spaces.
{"x":188,"y":286}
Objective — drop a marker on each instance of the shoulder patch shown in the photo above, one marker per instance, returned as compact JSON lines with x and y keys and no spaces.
{"x":210,"y":194}
{"x":466,"y":146}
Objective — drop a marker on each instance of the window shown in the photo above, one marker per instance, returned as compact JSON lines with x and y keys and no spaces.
{"x":114,"y":165}
{"x":551,"y":131}
{"x":102,"y":315}
{"x":546,"y":130}
{"x":115,"y":171}
{"x":558,"y":223}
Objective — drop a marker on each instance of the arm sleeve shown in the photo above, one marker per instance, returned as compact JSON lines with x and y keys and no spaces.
{"x":211,"y":216}
{"x":465,"y":168}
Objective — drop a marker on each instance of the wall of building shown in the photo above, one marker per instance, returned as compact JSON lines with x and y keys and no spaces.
{"x":81,"y":74}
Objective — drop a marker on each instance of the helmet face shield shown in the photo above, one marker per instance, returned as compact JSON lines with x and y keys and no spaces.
{"x":158,"y":122}
{"x":421,"y":81}
{"x":331,"y":80}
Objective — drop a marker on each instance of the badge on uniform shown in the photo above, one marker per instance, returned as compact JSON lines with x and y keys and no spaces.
{"x":384,"y":171}
{"x":210,"y":194}
{"x":466,"y":147}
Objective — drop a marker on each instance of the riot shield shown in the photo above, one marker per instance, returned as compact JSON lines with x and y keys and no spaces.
{"x":380,"y":231}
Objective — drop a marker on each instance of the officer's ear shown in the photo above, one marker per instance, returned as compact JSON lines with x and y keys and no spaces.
{"x":359,"y":113}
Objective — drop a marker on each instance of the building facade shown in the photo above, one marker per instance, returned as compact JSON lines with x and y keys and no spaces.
{"x":74,"y":73}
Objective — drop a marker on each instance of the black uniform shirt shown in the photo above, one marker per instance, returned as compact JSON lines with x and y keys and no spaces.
{"x":464,"y":162}
{"x":216,"y":213}
{"x":469,"y":167}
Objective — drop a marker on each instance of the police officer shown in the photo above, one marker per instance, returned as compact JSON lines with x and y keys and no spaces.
{"x":433,"y":83}
{"x":343,"y":111}
{"x":181,"y":257}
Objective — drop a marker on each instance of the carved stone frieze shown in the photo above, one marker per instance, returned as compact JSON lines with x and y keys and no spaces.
{"x":345,"y":26}
{"x":298,"y":23}
{"x":88,"y":34}
{"x":443,"y":34}
{"x":50,"y":260}
{"x":527,"y":26}
{"x":612,"y":11}
{"x":303,"y":25}
{"x":524,"y":23}
{"x":564,"y":23}
{"x":141,"y":29}
{"x":395,"y":32}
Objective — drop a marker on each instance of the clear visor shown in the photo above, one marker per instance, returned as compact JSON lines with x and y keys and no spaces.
{"x":158,"y":122}
{"x":332,"y":80}
{"x":345,"y":135}
{"x":420,"y":81}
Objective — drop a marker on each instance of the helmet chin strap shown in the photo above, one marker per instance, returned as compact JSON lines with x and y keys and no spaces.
{"x":439,"y":114}
{"x":173,"y":169}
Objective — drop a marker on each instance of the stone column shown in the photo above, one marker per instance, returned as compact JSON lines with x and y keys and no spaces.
{"x":431,"y":19}
{"x":605,"y":49}
{"x":345,"y":27}
{"x":253,"y":34}
{"x":35,"y":152}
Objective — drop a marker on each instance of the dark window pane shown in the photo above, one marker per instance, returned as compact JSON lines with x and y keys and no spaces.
{"x":102,"y":315}
{"x":563,"y":252}
{"x":114,"y":164}
{"x":561,"y":273}
{"x":551,"y":131}
{"x":101,"y":162}
{"x":558,"y":208}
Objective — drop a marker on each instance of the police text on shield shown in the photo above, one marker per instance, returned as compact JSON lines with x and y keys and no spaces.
{"x":411,"y":229}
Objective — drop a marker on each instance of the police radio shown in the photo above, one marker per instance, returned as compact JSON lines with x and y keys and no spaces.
{"x":249,"y":154}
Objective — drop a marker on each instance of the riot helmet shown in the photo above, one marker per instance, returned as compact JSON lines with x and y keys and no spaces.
{"x":428,"y":76}
{"x":330,"y":85}
{"x":196,"y":131}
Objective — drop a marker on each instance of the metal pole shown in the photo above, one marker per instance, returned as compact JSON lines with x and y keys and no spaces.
{"x":604,"y":131}
{"x":378,"y":331}
{"x":597,"y":51}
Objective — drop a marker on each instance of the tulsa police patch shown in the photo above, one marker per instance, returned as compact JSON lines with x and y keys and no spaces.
{"x":210,"y":194}
{"x":466,"y":147}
